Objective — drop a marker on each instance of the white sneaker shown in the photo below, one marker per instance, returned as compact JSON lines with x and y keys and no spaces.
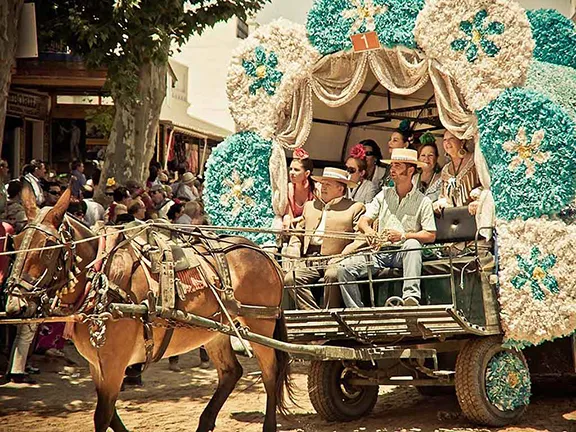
{"x":411,"y":301}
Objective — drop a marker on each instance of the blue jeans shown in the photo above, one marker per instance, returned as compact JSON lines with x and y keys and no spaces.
{"x":355,"y":268}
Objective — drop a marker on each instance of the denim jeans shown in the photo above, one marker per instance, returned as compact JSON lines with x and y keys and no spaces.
{"x":355,"y":268}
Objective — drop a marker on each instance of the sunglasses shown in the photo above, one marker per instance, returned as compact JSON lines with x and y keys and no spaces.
{"x":369,"y":153}
{"x":54,"y":192}
{"x":351,"y":170}
{"x":109,"y":193}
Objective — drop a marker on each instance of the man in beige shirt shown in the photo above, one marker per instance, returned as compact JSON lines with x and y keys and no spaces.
{"x":331,"y":213}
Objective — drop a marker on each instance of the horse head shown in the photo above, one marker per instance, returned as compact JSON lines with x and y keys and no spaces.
{"x":46,"y":259}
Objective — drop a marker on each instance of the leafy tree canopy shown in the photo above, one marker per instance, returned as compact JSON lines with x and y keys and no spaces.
{"x":123,"y":35}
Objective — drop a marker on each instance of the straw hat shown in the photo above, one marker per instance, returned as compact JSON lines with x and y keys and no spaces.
{"x":187,"y":178}
{"x":335,"y":174}
{"x":403,"y":155}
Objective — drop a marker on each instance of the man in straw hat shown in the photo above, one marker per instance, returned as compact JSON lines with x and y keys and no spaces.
{"x":331,"y":213}
{"x":404,"y":216}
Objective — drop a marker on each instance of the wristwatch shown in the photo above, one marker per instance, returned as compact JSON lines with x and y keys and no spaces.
{"x":403,"y":237}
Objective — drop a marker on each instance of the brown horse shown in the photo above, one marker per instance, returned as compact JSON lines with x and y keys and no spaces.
{"x":40,"y":277}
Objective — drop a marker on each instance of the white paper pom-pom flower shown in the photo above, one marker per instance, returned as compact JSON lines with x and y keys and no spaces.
{"x":264,"y":71}
{"x":486,"y":45}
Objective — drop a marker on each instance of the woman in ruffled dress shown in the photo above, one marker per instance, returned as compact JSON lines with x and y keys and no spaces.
{"x":300,"y":188}
{"x":430,"y":179}
{"x":356,"y":167}
{"x":460,"y":183}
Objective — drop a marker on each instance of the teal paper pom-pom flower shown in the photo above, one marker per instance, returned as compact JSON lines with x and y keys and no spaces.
{"x":332,"y":22}
{"x":552,"y":81}
{"x":529,"y":143}
{"x":508,"y":384}
{"x":555,"y":37}
{"x":238,"y":190}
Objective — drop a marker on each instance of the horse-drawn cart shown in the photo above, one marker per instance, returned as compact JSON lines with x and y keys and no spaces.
{"x":486,"y":70}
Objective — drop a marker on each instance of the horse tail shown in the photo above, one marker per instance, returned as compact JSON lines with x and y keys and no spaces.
{"x":284,"y":384}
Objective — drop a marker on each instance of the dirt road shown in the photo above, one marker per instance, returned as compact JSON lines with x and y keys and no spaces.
{"x":64,"y":400}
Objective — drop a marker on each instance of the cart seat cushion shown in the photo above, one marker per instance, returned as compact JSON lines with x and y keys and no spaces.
{"x":455,"y":224}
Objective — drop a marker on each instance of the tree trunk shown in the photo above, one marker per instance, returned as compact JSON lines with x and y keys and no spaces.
{"x":133,"y":136}
{"x":9,"y":18}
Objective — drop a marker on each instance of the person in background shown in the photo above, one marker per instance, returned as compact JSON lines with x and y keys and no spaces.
{"x":94,"y":211}
{"x":34,"y":174}
{"x":400,"y":139}
{"x":119,"y":205}
{"x":430,"y":178}
{"x":161,"y":203}
{"x":375,"y":170}
{"x":356,"y":168}
{"x":16,"y":217}
{"x":195,"y":212}
{"x":15,"y":214}
{"x":4,"y":177}
{"x":176,"y":214}
{"x":460,"y":183}
{"x":78,"y":179}
{"x":95,"y":177}
{"x":137,"y":209}
{"x":185,"y":189}
{"x":300,"y":188}
{"x":138,"y":192}
{"x":77,"y":209}
{"x":52,"y":192}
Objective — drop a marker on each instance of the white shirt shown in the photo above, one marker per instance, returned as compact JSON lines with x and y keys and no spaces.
{"x":36,"y":187}
{"x":411,"y":214}
{"x":94,"y":212}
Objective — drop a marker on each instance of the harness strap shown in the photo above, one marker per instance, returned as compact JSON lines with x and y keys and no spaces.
{"x":164,"y":344}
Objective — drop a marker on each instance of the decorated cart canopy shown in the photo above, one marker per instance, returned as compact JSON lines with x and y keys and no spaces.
{"x":488,"y":70}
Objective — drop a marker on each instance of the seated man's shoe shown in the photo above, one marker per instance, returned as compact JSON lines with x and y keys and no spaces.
{"x":32,"y":370}
{"x":23,"y":378}
{"x":411,"y":301}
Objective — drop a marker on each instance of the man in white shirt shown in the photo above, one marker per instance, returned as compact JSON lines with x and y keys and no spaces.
{"x":161,"y":203}
{"x":404,"y":216}
{"x":94,"y":211}
{"x":34,"y":173}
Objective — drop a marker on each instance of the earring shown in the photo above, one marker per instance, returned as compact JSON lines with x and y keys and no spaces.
{"x":462,"y":152}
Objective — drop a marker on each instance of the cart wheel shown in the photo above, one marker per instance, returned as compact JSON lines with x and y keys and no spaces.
{"x":333,"y":398}
{"x":394,"y":302}
{"x":492,"y":383}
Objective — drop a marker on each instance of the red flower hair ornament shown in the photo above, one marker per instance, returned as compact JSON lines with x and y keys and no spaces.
{"x":300,"y":154}
{"x":358,"y":152}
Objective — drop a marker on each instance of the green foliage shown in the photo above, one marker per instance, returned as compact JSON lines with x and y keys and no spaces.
{"x":125,"y":34}
{"x":102,"y":117}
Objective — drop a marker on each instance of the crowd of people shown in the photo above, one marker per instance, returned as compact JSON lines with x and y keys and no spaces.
{"x":172,"y":195}
{"x":388,"y":201}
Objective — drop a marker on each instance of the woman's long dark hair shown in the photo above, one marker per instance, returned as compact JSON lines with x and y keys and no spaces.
{"x":308,"y":165}
{"x":375,"y":149}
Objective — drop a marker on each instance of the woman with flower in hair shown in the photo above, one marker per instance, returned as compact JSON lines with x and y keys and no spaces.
{"x":430,"y":179}
{"x":356,"y":167}
{"x":300,"y":188}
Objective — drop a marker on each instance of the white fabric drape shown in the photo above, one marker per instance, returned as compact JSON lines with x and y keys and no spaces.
{"x":338,"y":78}
{"x":279,"y":183}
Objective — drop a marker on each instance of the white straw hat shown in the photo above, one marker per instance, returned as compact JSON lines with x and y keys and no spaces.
{"x":335,"y":174}
{"x":403,"y":155}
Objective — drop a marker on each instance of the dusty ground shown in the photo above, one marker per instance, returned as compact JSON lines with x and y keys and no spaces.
{"x":64,"y":400}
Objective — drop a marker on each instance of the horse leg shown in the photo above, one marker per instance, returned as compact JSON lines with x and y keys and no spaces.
{"x":229,"y":372}
{"x":107,"y":390}
{"x":268,"y":365}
